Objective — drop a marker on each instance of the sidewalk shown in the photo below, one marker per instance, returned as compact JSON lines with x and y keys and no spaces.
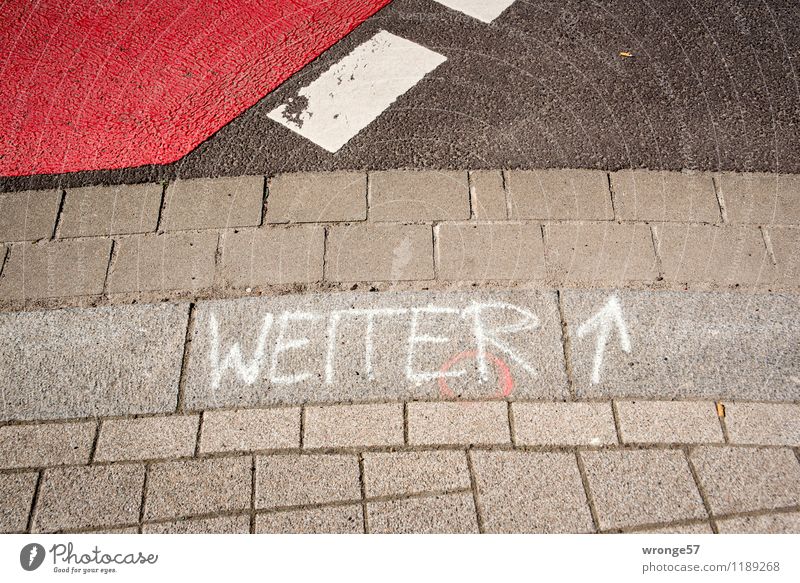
{"x":516,"y":351}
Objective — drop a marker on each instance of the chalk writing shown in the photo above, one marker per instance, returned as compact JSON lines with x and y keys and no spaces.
{"x":602,"y":323}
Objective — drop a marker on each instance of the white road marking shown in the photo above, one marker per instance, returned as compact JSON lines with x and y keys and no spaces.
{"x":356,"y":90}
{"x":483,"y":10}
{"x":602,"y":323}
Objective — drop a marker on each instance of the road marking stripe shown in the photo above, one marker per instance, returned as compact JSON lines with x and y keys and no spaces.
{"x":356,"y":90}
{"x":484,"y":10}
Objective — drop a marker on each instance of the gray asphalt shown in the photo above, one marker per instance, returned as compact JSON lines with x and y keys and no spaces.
{"x":712,"y":85}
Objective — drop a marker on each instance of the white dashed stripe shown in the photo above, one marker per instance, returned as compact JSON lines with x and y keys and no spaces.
{"x":484,"y":10}
{"x":356,"y":90}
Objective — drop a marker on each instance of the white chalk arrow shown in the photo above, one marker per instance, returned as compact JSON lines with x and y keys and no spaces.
{"x":603,"y":323}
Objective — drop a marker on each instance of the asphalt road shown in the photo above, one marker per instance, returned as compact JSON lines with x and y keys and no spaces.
{"x":711,"y":85}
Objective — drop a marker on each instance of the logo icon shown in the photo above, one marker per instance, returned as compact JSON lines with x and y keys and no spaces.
{"x":31,"y":556}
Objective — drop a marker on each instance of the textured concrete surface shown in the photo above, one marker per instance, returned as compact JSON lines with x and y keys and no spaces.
{"x":110,"y":210}
{"x":81,"y":497}
{"x":28,"y":216}
{"x":559,"y":195}
{"x":695,"y":528}
{"x":16,"y":493}
{"x":470,"y":251}
{"x":216,"y":525}
{"x":454,"y":423}
{"x":545,"y":86}
{"x":393,"y":474}
{"x":787,"y":523}
{"x":631,"y":488}
{"x":664,"y":196}
{"x":213,"y":203}
{"x":763,"y":423}
{"x":528,"y":492}
{"x":300,"y":374}
{"x":174,"y":261}
{"x":102,"y":361}
{"x":740,"y":479}
{"x":442,"y":514}
{"x":192,"y":487}
{"x":253,"y":257}
{"x":418,"y":196}
{"x":668,"y":422}
{"x":563,"y":424}
{"x":147,"y":438}
{"x":760,"y":198}
{"x":353,"y":425}
{"x":346,"y":519}
{"x":309,"y":197}
{"x":294,"y":480}
{"x":252,"y":429}
{"x":36,"y":446}
{"x":690,"y":345}
{"x":488,"y":195}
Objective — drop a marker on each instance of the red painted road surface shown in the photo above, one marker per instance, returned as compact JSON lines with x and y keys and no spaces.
{"x":102,"y":84}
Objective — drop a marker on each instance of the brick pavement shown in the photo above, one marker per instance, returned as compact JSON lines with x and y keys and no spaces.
{"x":654,"y":449}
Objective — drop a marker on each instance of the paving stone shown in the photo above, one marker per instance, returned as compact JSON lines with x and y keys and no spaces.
{"x":147,"y":438}
{"x":199,"y":486}
{"x":689,"y":345}
{"x":36,"y":446}
{"x":182,"y":261}
{"x":16,"y":493}
{"x":317,"y":197}
{"x":741,"y":479}
{"x":295,"y":480}
{"x":563,"y":424}
{"x":784,"y":523}
{"x":413,"y":472}
{"x":695,"y":528}
{"x":379,"y":253}
{"x":232,"y":358}
{"x":669,"y":422}
{"x":474,"y":251}
{"x":763,"y":423}
{"x":213,"y":203}
{"x":121,"y":530}
{"x":647,"y":195}
{"x":346,"y":519}
{"x":122,"y":360}
{"x":354,"y":425}
{"x":408,"y":195}
{"x":599,"y":253}
{"x":28,"y":215}
{"x":719,"y":255}
{"x":632,"y":488}
{"x":441,"y":514}
{"x":530,"y":492}
{"x":458,"y":423}
{"x":265,"y":256}
{"x":761,"y":199}
{"x":487,"y":195}
{"x":250,"y":430}
{"x":217,"y":525}
{"x":559,"y":195}
{"x":786,"y":248}
{"x":82,"y":497}
{"x":55,"y":269}
{"x":110,"y":210}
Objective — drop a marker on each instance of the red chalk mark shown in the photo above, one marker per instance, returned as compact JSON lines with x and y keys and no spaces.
{"x":505,"y":381}
{"x":90,"y":84}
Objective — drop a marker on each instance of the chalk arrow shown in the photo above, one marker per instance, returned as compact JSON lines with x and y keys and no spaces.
{"x":603,"y":323}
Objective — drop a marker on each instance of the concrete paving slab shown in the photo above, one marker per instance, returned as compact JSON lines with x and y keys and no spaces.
{"x":412,"y":472}
{"x":668,"y":422}
{"x":250,"y":430}
{"x":16,"y":493}
{"x":353,"y":425}
{"x":742,"y":479}
{"x":217,"y":525}
{"x":695,"y":528}
{"x":147,"y":438}
{"x":633,"y":488}
{"x":346,"y":519}
{"x":443,"y":514}
{"x":322,"y":348}
{"x":563,"y":424}
{"x":788,"y":523}
{"x":37,"y":446}
{"x":721,"y":345}
{"x":100,"y":361}
{"x":763,"y":423}
{"x":530,"y":492}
